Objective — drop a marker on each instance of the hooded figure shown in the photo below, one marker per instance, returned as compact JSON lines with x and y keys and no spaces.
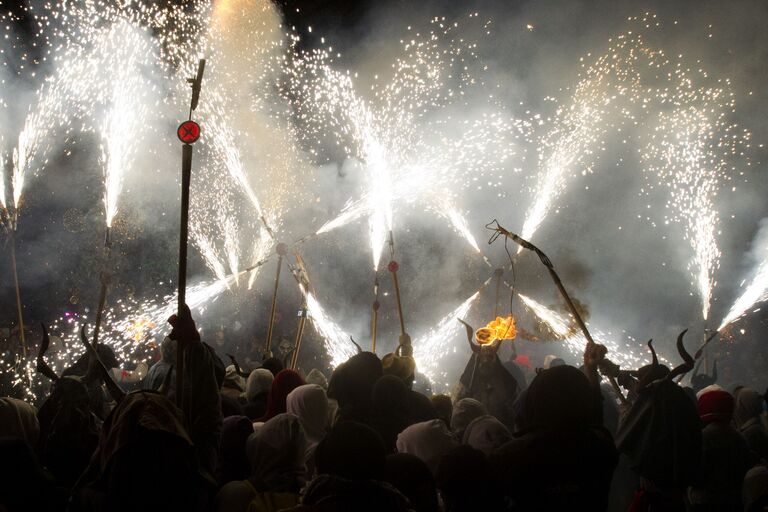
{"x":467,"y":483}
{"x":285,"y":382}
{"x":465,"y":411}
{"x":316,"y":377}
{"x":411,"y":476}
{"x":18,"y":420}
{"x":485,"y":379}
{"x":565,"y":459}
{"x":661,"y":434}
{"x":257,"y":392}
{"x":233,"y":463}
{"x":276,"y":453}
{"x":145,"y":460}
{"x":156,"y":375}
{"x":351,"y":469}
{"x":24,"y":485}
{"x":428,"y":440}
{"x":389,"y":409}
{"x":486,"y":434}
{"x":310,"y":405}
{"x":725,"y":456}
{"x":747,"y":419}
{"x":69,"y":431}
{"x":351,"y":385}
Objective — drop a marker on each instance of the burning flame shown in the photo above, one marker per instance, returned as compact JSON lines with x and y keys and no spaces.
{"x":499,"y":329}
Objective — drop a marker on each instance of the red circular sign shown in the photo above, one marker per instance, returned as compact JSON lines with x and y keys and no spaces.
{"x":188,"y":132}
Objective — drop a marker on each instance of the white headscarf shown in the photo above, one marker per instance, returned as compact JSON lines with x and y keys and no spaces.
{"x":428,"y":440}
{"x":310,"y":404}
{"x":259,"y":381}
{"x":486,"y":434}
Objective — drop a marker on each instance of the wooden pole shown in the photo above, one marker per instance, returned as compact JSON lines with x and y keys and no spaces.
{"x":282,"y":250}
{"x":498,"y":273}
{"x":186,"y":177}
{"x":375,"y":314}
{"x":571,"y":306}
{"x":299,"y":335}
{"x":393,"y":267}
{"x":19,"y":312}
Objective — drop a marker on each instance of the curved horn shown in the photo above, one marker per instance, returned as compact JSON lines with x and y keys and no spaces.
{"x":114,"y":390}
{"x":359,"y":348}
{"x":42,"y":366}
{"x":687,"y":364}
{"x":470,"y":334}
{"x":654,"y":358}
{"x":239,"y":371}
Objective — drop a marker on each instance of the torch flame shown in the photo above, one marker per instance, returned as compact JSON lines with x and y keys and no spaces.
{"x":503,"y":328}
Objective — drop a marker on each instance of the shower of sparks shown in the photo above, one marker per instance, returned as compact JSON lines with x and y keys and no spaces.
{"x":402,"y":135}
{"x":126,"y":109}
{"x":556,"y":323}
{"x":687,"y":140}
{"x":337,"y":341}
{"x":430,"y":348}
{"x":754,"y":293}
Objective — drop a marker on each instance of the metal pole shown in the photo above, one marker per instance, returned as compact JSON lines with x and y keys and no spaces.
{"x":498,"y":273}
{"x":22,"y":337}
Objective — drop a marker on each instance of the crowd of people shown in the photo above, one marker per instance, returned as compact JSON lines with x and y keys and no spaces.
{"x":363,"y":438}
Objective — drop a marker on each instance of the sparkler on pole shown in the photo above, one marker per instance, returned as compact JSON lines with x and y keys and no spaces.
{"x":188,"y":133}
{"x":282,"y":250}
{"x":105,"y":278}
{"x":607,"y":367}
{"x":375,"y":313}
{"x":404,"y":343}
{"x":22,"y":338}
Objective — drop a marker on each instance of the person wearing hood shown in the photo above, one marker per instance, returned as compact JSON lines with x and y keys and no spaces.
{"x":465,"y":411}
{"x":315,"y":376}
{"x":390,"y":414}
{"x":725,"y":456}
{"x":145,"y":461}
{"x":411,"y":476}
{"x":257,"y":392}
{"x":747,"y":420}
{"x":157,"y":373}
{"x":233,"y":463}
{"x":351,"y":386}
{"x":310,"y":405}
{"x":351,"y":472}
{"x":276,"y":452}
{"x":467,"y":483}
{"x":486,"y":434}
{"x":18,"y":419}
{"x":428,"y":440}
{"x":565,"y":458}
{"x":285,"y":382}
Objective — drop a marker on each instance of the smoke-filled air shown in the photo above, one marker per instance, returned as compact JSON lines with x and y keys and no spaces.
{"x":362,"y":185}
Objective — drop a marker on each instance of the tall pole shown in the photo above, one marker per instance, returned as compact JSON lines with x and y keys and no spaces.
{"x":299,"y":335}
{"x":375,"y":314}
{"x":188,"y":133}
{"x":559,"y":284}
{"x":498,"y":273}
{"x":282,"y":250}
{"x":104,"y":278}
{"x":22,"y":337}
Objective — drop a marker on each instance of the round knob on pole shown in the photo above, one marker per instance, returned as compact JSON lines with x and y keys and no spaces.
{"x":282,"y":249}
{"x":393,"y":266}
{"x":498,"y":272}
{"x":376,"y":305}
